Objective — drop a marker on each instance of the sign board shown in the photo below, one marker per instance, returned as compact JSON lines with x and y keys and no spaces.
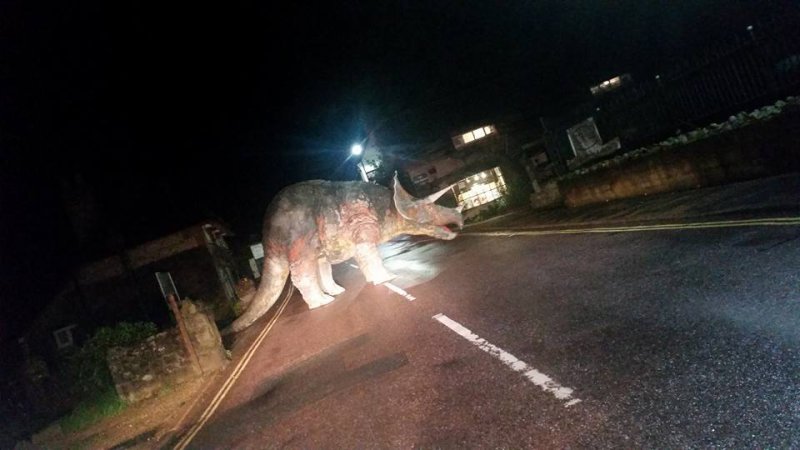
{"x":254,"y":268}
{"x":166,"y":285}
{"x":584,"y":138}
{"x":257,"y":250}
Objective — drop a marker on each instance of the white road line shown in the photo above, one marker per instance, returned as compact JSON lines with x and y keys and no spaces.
{"x":400,"y":291}
{"x":534,"y":376}
{"x":396,"y":289}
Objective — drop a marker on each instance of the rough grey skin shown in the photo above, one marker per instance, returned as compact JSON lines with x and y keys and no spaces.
{"x":313,"y":224}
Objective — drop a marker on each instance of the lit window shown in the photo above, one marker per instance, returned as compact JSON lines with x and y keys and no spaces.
{"x":610,"y":84}
{"x":480,"y":188}
{"x":478,"y":133}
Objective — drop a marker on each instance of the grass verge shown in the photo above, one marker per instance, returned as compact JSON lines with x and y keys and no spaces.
{"x":89,"y":411}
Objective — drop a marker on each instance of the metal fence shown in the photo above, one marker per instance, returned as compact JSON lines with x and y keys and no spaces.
{"x":752,"y":68}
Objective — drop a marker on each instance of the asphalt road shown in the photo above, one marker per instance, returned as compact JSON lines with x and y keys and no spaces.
{"x":684,"y":338}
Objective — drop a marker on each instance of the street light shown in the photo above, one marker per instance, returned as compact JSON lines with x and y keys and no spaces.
{"x":355,"y":151}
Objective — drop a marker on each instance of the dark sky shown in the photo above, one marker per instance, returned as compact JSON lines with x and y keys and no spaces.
{"x":176,"y":113}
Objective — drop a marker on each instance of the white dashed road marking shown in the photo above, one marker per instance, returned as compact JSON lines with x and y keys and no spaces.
{"x":396,"y":289}
{"x":534,"y":376}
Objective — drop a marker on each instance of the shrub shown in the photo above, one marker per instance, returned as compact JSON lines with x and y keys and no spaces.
{"x":491,"y":210}
{"x":518,"y":193}
{"x":104,"y":404}
{"x":87,"y":367}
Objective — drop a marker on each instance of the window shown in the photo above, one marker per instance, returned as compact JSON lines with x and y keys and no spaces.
{"x":64,"y":337}
{"x":540,"y":159}
{"x":610,"y":84}
{"x":369,"y":169}
{"x":470,"y":136}
{"x":480,"y":188}
{"x":420,"y":179}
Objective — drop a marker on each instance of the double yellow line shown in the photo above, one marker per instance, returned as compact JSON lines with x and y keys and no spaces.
{"x":776,"y":221}
{"x":187,"y":438}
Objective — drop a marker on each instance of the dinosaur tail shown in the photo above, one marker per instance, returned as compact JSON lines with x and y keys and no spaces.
{"x":273,"y":279}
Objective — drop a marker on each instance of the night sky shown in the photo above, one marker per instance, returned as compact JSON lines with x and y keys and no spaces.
{"x":173,"y":114}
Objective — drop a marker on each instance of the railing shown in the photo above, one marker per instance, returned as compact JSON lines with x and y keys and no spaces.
{"x":753,"y":68}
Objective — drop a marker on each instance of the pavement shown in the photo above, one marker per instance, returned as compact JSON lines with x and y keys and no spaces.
{"x":777,"y":196}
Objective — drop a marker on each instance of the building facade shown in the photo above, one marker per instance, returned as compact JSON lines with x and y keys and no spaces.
{"x":483,"y":163}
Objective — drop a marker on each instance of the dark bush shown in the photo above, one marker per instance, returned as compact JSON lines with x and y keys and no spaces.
{"x":87,"y":367}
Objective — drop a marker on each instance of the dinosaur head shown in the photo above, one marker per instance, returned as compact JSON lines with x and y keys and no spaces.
{"x":424,"y":216}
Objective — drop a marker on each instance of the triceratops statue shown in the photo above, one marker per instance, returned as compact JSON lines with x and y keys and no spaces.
{"x":310,"y":225}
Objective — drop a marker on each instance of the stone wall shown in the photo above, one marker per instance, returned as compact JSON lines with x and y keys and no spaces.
{"x":144,"y":369}
{"x":159,"y":362}
{"x":205,"y":337}
{"x":547,"y":196}
{"x":756,"y":150}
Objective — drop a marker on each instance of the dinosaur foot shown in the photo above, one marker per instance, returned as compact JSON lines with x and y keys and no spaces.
{"x":381,"y":278}
{"x":320,"y":300}
{"x":333,"y":289}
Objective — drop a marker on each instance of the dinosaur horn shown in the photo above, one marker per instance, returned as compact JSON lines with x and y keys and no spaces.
{"x":403,"y":201}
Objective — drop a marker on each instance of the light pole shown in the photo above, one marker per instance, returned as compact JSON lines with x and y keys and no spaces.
{"x":356,"y":151}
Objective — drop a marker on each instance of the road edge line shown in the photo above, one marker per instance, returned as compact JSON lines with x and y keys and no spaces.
{"x":778,"y":221}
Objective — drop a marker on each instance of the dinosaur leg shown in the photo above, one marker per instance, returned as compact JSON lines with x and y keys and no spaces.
{"x":371,"y":264}
{"x":305,"y":277}
{"x":326,"y":278}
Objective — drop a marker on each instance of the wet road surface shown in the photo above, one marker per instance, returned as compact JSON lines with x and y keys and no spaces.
{"x":658,"y":339}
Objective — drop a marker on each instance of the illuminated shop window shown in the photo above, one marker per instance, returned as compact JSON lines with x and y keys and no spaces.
{"x":480,"y":188}
{"x":478,"y":133}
